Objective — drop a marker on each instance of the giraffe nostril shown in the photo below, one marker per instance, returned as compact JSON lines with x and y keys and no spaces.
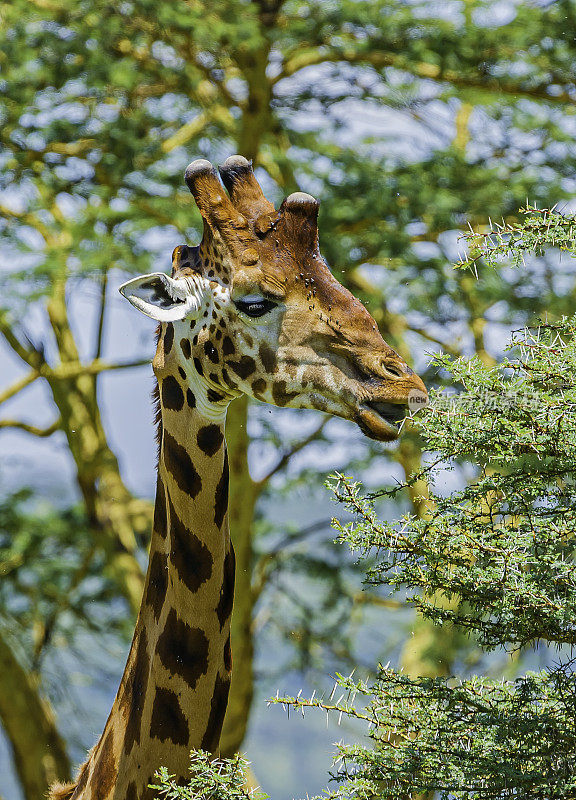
{"x":392,"y":369}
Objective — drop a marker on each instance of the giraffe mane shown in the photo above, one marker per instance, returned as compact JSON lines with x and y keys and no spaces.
{"x":62,"y":791}
{"x":156,"y":407}
{"x":66,"y":791}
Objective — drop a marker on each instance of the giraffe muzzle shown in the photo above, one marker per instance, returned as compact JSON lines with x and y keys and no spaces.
{"x":381,"y":420}
{"x":392,"y":413}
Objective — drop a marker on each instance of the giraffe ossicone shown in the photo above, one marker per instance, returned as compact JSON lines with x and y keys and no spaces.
{"x":255,"y":310}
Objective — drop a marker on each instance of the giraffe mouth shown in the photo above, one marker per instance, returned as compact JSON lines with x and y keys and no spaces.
{"x":381,"y":420}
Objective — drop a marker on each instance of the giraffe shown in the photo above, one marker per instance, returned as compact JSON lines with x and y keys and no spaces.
{"x":253,"y":309}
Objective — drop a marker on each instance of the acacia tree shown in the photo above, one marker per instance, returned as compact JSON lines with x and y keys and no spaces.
{"x":501,"y":550}
{"x":102,"y":107}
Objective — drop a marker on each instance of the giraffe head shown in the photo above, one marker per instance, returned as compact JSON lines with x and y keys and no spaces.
{"x":254,"y":309}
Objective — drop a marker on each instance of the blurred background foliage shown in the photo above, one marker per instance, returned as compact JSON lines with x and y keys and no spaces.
{"x":409,"y":120}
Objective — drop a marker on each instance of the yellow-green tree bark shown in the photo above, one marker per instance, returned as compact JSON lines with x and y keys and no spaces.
{"x":40,"y":755}
{"x":243,"y":496}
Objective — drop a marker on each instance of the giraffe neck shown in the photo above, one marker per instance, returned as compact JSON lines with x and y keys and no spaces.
{"x":174,"y":691}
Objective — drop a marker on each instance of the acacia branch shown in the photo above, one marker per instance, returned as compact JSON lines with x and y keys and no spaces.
{"x":269,"y":561}
{"x":64,"y":371}
{"x":74,"y":369}
{"x":379,"y":60}
{"x":18,"y":385}
{"x":283,"y":461}
{"x":29,"y":354}
{"x":101,"y":317}
{"x":27,"y":218}
{"x":61,"y":606}
{"x":195,"y":126}
{"x":448,"y":348}
{"x":35,"y":431}
{"x":368,"y":599}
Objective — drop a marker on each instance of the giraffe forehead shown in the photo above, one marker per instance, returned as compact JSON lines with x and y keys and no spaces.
{"x":316,"y":293}
{"x":285,"y":270}
{"x":310,"y":278}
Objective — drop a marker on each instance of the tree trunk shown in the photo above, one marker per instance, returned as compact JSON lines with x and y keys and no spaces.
{"x":39,"y":752}
{"x":113,"y":514}
{"x":243,"y":496}
{"x":431,"y":649}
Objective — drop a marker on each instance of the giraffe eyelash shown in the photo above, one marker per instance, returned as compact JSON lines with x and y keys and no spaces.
{"x":254,"y":306}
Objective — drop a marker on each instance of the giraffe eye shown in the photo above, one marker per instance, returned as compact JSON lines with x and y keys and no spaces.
{"x":254,"y":306}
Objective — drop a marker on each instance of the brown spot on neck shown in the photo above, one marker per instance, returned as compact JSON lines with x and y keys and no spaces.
{"x":281,"y":394}
{"x":105,"y":769}
{"x":186,"y":348}
{"x":228,"y":346}
{"x":131,"y":793}
{"x":211,"y":352}
{"x":183,"y":650}
{"x":218,"y":705}
{"x":157,"y":583}
{"x":160,"y":521}
{"x":191,"y":558}
{"x":214,"y":396}
{"x":133,"y":691}
{"x":221,"y":494}
{"x":209,"y":439}
{"x":180,"y":466}
{"x":168,"y":720}
{"x":168,"y":338}
{"x":243,"y":368}
{"x":224,"y":607}
{"x":172,"y":394}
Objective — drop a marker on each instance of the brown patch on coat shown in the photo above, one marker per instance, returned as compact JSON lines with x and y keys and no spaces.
{"x":221,"y":494}
{"x":280,"y":393}
{"x":268,"y":357}
{"x":131,"y":793}
{"x":180,"y":466}
{"x":172,"y":394}
{"x":226,"y":601}
{"x":228,"y":346}
{"x":133,"y":692}
{"x":210,"y":439}
{"x":259,"y":386}
{"x":168,"y":338}
{"x":228,"y":655}
{"x":157,"y":583}
{"x":185,"y":347}
{"x":168,"y":720}
{"x":183,"y":650}
{"x":191,"y":558}
{"x":211,"y":352}
{"x":218,"y":705}
{"x":160,"y":521}
{"x":105,"y":769}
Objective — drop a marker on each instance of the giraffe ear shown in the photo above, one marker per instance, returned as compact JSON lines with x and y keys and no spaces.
{"x":166,"y":299}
